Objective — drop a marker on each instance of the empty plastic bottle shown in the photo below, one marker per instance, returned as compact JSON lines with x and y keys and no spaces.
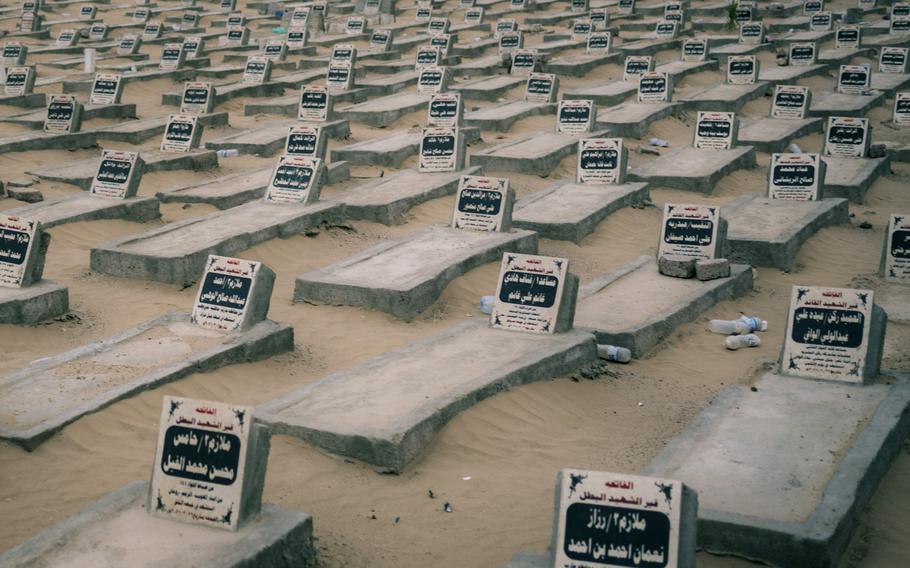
{"x":734,"y":342}
{"x":729,"y":327}
{"x":755,"y":323}
{"x":486,"y":304}
{"x":228,"y":153}
{"x":614,"y":353}
{"x":794,"y":149}
{"x":658,"y":142}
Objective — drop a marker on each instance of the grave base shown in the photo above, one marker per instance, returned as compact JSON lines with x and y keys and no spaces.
{"x":43,"y":300}
{"x":632,"y":120}
{"x":269,"y":138}
{"x":775,"y":134}
{"x":138,"y":131}
{"x":837,"y":104}
{"x":384,"y":111}
{"x":385,"y":411}
{"x":488,"y":89}
{"x":726,"y":97}
{"x":82,"y":172}
{"x":390,"y":151}
{"x":805,"y":459}
{"x":525,"y":559}
{"x":537,"y":154}
{"x":116,"y":530}
{"x":664,"y":302}
{"x":30,"y":100}
{"x":84,"y":207}
{"x":692,"y":169}
{"x":500,"y":118}
{"x":851,"y":177}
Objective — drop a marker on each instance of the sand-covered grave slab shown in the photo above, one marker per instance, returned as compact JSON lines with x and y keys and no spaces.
{"x":40,"y":301}
{"x":478,"y":66}
{"x":839,"y":104}
{"x":851,"y":178}
{"x":537,"y":154}
{"x":82,"y":172}
{"x":35,"y":120}
{"x":270,"y":137}
{"x":889,"y":83}
{"x":501,"y":117}
{"x":28,"y":141}
{"x":225,"y":93}
{"x":693,"y":169}
{"x":790,"y":74}
{"x":385,"y":412}
{"x":726,"y":97}
{"x":775,"y":134}
{"x":801,"y":36}
{"x":633,"y":119}
{"x":28,"y":100}
{"x":835,"y":57}
{"x":485,"y":89}
{"x":384,"y":111}
{"x":390,"y":151}
{"x":138,"y":131}
{"x":607,"y":94}
{"x":405,"y":276}
{"x":770,"y":232}
{"x":571,"y":211}
{"x":290,"y":104}
{"x":84,"y":207}
{"x":649,"y":46}
{"x":384,"y":85}
{"x":580,"y":65}
{"x":387,"y":199}
{"x":662,"y":303}
{"x":722,"y":52}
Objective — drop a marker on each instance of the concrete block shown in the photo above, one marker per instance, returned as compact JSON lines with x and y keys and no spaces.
{"x":712,"y":269}
{"x":42,"y":300}
{"x":837,"y":104}
{"x":677,"y":266}
{"x":384,"y":111}
{"x":28,"y":195}
{"x":138,"y":131}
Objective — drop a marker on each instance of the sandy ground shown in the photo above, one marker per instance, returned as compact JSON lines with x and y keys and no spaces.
{"x":495,"y":463}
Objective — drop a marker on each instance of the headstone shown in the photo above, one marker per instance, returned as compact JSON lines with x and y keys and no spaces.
{"x":445,"y":110}
{"x":743,"y":14}
{"x":380,"y":41}
{"x":316,"y":103}
{"x":900,"y":10}
{"x":441,"y":150}
{"x":534,"y":294}
{"x":229,"y":5}
{"x":211,"y":458}
{"x":742,"y":70}
{"x":30,"y":22}
{"x":695,"y":50}
{"x":258,"y":70}
{"x":542,"y":88}
{"x":751,"y":33}
{"x":182,"y":133}
{"x":23,"y":244}
{"x":896,"y":257}
{"x":483,"y":204}
{"x":305,"y":140}
{"x":295,"y":179}
{"x":64,"y":114}
{"x":172,"y":56}
{"x":505,"y":25}
{"x":655,"y":87}
{"x":524,"y":61}
{"x":275,"y":50}
{"x":198,"y":98}
{"x":899,"y":25}
{"x":466,"y":3}
{"x":715,"y":130}
{"x":813,"y":6}
{"x":141,"y":15}
{"x":423,"y":15}
{"x":833,"y":334}
{"x":637,"y":65}
{"x":344,"y":52}
{"x":848,"y":37}
{"x":98,"y":31}
{"x":14,"y":53}
{"x":821,"y":22}
{"x":575,"y":116}
{"x":665,"y":30}
{"x":189,"y":19}
{"x":579,"y":5}
{"x":129,"y":44}
{"x":442,"y":42}
{"x":854,"y":79}
{"x":87,"y":12}
{"x":432,"y":79}
{"x":521,"y":4}
{"x":300,"y":17}
{"x":296,"y":38}
{"x":847,"y":137}
{"x":67,"y":38}
{"x":510,"y":41}
{"x":599,"y":17}
{"x":152,"y":30}
{"x":626,"y":6}
{"x":106,"y":89}
{"x":599,"y":43}
{"x":678,"y":17}
{"x":235,"y":36}
{"x":473,"y":16}
{"x":615,"y":519}
{"x":355,"y":25}
{"x":20,"y":80}
{"x":902,"y":108}
{"x":118,"y":175}
{"x":372,"y":7}
{"x":790,"y":101}
{"x":803,"y":54}
{"x":892,"y":60}
{"x":236,"y":20}
{"x":796,"y":177}
{"x":340,"y":76}
{"x":581,"y":28}
{"x":427,"y":56}
{"x":692,"y":231}
{"x":601,"y":161}
{"x":438,"y":25}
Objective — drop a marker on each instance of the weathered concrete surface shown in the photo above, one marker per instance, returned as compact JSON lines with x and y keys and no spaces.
{"x":487,"y":89}
{"x":82,"y":172}
{"x":807,"y":456}
{"x":138,"y":131}
{"x":837,"y":104}
{"x":500,"y":118}
{"x":35,"y":120}
{"x":775,"y":134}
{"x":852,"y":177}
{"x":30,"y":100}
{"x":692,"y":169}
{"x":527,"y":559}
{"x":790,"y":74}
{"x":889,"y":83}
{"x":726,"y":97}
{"x":608,"y":94}
{"x":176,"y":253}
{"x":40,"y":301}
{"x":84,"y":207}
{"x":386,"y":411}
{"x":387,"y":199}
{"x":288,"y":105}
{"x":663,"y":303}
{"x":537,"y":154}
{"x":405,"y":276}
{"x":579,"y":65}
{"x":770,"y":232}
{"x":28,"y":141}
{"x":570,"y":212}
{"x":42,"y":398}
{"x":116,"y":530}
{"x":390,"y":151}
{"x":263,"y":140}
{"x":384,"y":111}
{"x":383,"y":85}
{"x":477,"y":66}
{"x":633,"y":119}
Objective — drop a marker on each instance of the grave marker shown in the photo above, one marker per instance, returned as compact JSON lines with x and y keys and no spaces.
{"x":829,"y":334}
{"x":445,"y":110}
{"x":22,"y":247}
{"x":141,"y":15}
{"x":821,"y":22}
{"x":802,"y":54}
{"x":896,"y":257}
{"x":190,"y":19}
{"x":14,"y":53}
{"x":636,"y":66}
{"x":173,"y":56}
{"x":579,"y":5}
{"x":316,"y":103}
{"x":715,"y":130}
{"x":581,"y":28}
{"x":575,"y":116}
{"x":692,"y":231}
{"x":236,"y":36}
{"x":295,"y":179}
{"x":118,"y":175}
{"x":742,"y":70}
{"x":847,"y":137}
{"x":900,"y":10}
{"x":30,"y":22}
{"x":152,"y":30}
{"x":275,"y":50}
{"x":305,"y":140}
{"x":442,"y":42}
{"x":893,"y":60}
{"x":902,"y":108}
{"x":695,"y":50}
{"x":848,"y":37}
{"x":505,"y":25}
{"x":790,"y":101}
{"x":796,"y":177}
{"x":380,"y":41}
{"x":521,"y":4}
{"x":532,"y":294}
{"x":296,"y":38}
{"x":598,"y":43}
{"x":198,"y":98}
{"x":483,"y":204}
{"x":300,"y":17}
{"x":423,"y":14}
{"x":524,"y":61}
{"x":20,"y":80}
{"x":427,"y":56}
{"x":473,"y":16}
{"x":441,"y":150}
{"x":98,"y":31}
{"x":438,"y":25}
{"x":899,"y":25}
{"x":626,"y":6}
{"x":510,"y":41}
{"x":64,"y":114}
{"x":106,"y":89}
{"x":542,"y":88}
{"x":234,"y":295}
{"x":182,"y":133}
{"x":355,"y":25}
{"x":600,"y":18}
{"x":87,"y":12}
{"x":743,"y":14}
{"x":812,"y":7}
{"x":67,"y":38}
{"x":601,"y":161}
{"x":854,"y":79}
{"x":665,"y":30}
{"x":258,"y":70}
{"x":344,"y":52}
{"x":236,"y":20}
{"x":432,"y":79}
{"x":654,"y":87}
{"x":339,"y":77}
{"x":193,"y":46}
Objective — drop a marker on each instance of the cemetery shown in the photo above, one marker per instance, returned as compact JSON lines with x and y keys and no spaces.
{"x":519,"y":283}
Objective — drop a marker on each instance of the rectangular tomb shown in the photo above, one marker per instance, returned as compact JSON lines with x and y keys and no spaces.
{"x":692,"y":169}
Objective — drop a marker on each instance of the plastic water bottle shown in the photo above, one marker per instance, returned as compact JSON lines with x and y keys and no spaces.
{"x":658,"y":142}
{"x":734,"y":342}
{"x":614,"y":353}
{"x":754,"y":323}
{"x":729,"y":327}
{"x":794,"y":149}
{"x":228,"y":153}
{"x":486,"y":304}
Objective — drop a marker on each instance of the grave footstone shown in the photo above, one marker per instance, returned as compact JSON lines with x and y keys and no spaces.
{"x":692,"y":231}
{"x":655,"y":87}
{"x":796,"y":177}
{"x":316,"y":103}
{"x":790,"y":102}
{"x":296,"y":179}
{"x":534,"y":294}
{"x":182,"y":133}
{"x":234,"y":295}
{"x":901,"y":114}
{"x":173,"y":56}
{"x":305,"y":140}
{"x":64,"y":114}
{"x":484,"y":204}
{"x":20,"y":80}
{"x":197,"y":98}
{"x":575,"y":116}
{"x":847,"y":137}
{"x":601,"y":161}
{"x":896,"y":253}
{"x":118,"y":175}
{"x":106,"y":89}
{"x":445,"y":110}
{"x":442,"y":149}
{"x":715,"y":130}
{"x":854,"y":79}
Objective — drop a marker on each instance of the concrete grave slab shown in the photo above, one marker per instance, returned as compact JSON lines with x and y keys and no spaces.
{"x":405,"y":276}
{"x":789,"y":74}
{"x":107,"y":531}
{"x":890,"y":83}
{"x":24,"y":306}
{"x":648,"y":46}
{"x":537,"y":154}
{"x":722,"y":52}
{"x":479,"y":66}
{"x":570,"y":212}
{"x":263,"y":140}
{"x":83,"y":207}
{"x":289,"y":104}
{"x":664,"y":303}
{"x":383,"y":85}
{"x":608,"y":94}
{"x":29,"y":100}
{"x":46,"y":140}
{"x":838,"y":104}
{"x":834,"y":58}
{"x":86,"y":379}
{"x":580,"y":65}
{"x":693,"y":170}
{"x":384,"y":412}
{"x":387,"y":199}
{"x":633,"y":119}
{"x":391,"y":151}
{"x":500,"y":118}
{"x":726,"y":97}
{"x":851,"y":177}
{"x":384,"y":111}
{"x":138,"y":131}
{"x":775,"y":134}
{"x":770,"y":232}
{"x":804,"y":493}
{"x":485,"y":89}
{"x":176,"y":253}
{"x":802,"y":36}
